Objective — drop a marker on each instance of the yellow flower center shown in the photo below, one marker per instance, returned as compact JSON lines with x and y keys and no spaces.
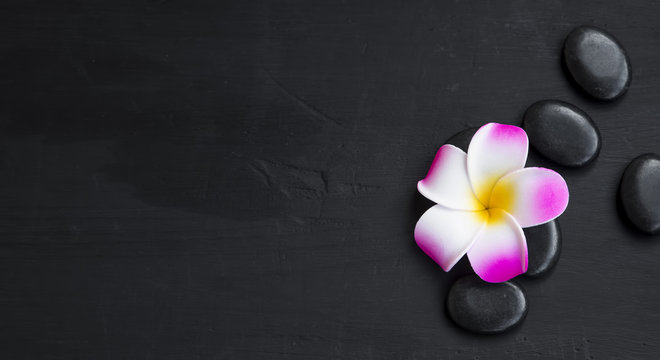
{"x":502,"y":199}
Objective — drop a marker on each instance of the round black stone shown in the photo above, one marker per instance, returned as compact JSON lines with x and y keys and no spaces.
{"x":640,"y":192}
{"x":543,"y":248}
{"x":562,"y":132}
{"x":597,"y":62}
{"x":462,"y":139}
{"x":486,"y":308}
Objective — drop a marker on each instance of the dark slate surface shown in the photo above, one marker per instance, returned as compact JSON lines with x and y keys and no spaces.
{"x":236,"y":180}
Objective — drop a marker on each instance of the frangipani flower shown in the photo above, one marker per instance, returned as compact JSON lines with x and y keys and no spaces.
{"x":484,"y":200}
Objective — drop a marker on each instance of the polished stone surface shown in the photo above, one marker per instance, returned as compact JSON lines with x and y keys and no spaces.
{"x":562,"y":132}
{"x":543,"y":248}
{"x":462,"y":139}
{"x":597,"y":62}
{"x":482,"y":307}
{"x":640,"y":192}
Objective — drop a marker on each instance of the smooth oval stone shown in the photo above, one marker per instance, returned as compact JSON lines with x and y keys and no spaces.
{"x":482,"y":307}
{"x":562,"y":132}
{"x":462,"y":139}
{"x":597,"y":62}
{"x":543,"y":248}
{"x":640,"y":192}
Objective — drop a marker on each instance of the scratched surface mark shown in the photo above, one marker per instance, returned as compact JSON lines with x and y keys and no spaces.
{"x":236,"y":179}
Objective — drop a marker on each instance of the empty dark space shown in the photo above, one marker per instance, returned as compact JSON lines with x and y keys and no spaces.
{"x":237,"y":179}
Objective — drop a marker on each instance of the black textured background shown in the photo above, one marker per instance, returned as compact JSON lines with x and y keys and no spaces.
{"x":236,"y":180}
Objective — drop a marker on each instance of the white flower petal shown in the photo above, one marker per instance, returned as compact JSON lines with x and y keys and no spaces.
{"x":495,"y":150}
{"x":445,"y":234}
{"x":499,"y":252}
{"x":447,"y":181}
{"x":533,"y":196}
